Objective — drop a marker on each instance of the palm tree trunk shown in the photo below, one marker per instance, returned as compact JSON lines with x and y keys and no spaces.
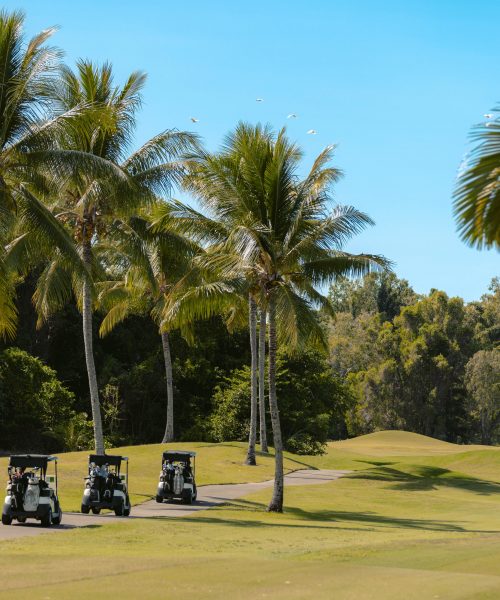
{"x":276,"y":504}
{"x":252,"y":437}
{"x":168,"y":436}
{"x":262,"y":382}
{"x":89,"y":356}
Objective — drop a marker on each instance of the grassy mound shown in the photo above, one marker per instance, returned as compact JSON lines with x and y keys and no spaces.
{"x":400,"y":443}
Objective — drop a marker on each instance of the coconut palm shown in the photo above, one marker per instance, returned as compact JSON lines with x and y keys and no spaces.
{"x":201,"y":288}
{"x":262,"y":381}
{"x":88,"y":205}
{"x":280,"y":239}
{"x":148,"y":266}
{"x":477,"y":195}
{"x":31,"y":161}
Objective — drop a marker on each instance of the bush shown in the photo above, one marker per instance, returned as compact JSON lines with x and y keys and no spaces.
{"x":35,"y":407}
{"x":303,"y":443}
{"x":230,"y":419}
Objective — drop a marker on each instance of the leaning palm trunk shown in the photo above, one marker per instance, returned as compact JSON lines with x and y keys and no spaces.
{"x":168,"y":436}
{"x":89,"y":357}
{"x":262,"y":382}
{"x":276,"y":504}
{"x":252,"y":438}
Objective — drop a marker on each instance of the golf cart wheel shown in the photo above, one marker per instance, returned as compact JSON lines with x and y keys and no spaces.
{"x":6,"y":519}
{"x":187,"y":497}
{"x":119,"y":508}
{"x":56,"y":520}
{"x":96,"y":510}
{"x":195,"y":493}
{"x":46,"y":520}
{"x":21,"y":519}
{"x":127,"y":507}
{"x":159,"y":499}
{"x":85,"y":509}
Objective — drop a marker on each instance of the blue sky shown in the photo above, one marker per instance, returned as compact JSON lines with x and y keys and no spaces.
{"x":397,"y":85}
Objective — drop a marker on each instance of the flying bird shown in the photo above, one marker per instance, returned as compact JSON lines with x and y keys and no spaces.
{"x":292,"y":116}
{"x":259,"y":100}
{"x":312,"y":132}
{"x":488,"y":115}
{"x":194,"y":119}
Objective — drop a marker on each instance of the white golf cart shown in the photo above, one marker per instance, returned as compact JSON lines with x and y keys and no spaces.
{"x":177,"y":477}
{"x":105,"y":486}
{"x":29,"y":493}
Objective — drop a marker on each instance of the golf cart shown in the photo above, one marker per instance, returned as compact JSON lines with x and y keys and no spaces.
{"x":177,"y":477}
{"x":29,"y":495}
{"x":105,"y":486}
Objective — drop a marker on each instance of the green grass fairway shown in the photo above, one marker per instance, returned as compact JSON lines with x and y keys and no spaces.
{"x":421,"y":521}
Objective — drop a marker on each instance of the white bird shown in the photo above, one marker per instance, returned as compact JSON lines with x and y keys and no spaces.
{"x":194,"y":119}
{"x":259,"y":100}
{"x":312,"y":132}
{"x":488,"y":115}
{"x":292,"y":116}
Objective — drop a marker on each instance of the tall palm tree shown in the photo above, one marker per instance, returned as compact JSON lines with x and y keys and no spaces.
{"x":88,"y":205}
{"x":262,"y":381}
{"x":280,"y":239}
{"x":31,"y":161}
{"x":149,"y":265}
{"x":477,"y":194}
{"x":201,"y":290}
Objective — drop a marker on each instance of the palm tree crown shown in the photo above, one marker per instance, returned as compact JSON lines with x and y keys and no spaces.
{"x":477,"y":195}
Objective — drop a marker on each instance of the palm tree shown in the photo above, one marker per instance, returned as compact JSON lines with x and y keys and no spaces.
{"x":279,"y":239}
{"x":477,"y":195}
{"x":200,"y":294}
{"x":262,"y":381}
{"x":149,"y":265}
{"x":88,"y":205}
{"x":30,"y":159}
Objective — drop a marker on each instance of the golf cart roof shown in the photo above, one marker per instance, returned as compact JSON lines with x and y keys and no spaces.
{"x":31,"y":460}
{"x":179,"y":455}
{"x":106,"y":459}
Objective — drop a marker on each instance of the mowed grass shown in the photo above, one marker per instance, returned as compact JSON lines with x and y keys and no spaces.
{"x":405,"y":525}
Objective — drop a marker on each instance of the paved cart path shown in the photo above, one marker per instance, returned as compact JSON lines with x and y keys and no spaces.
{"x":208,"y":496}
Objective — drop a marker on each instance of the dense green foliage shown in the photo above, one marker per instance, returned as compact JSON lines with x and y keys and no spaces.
{"x":409,"y":372}
{"x":34,"y":405}
{"x":313,"y":403}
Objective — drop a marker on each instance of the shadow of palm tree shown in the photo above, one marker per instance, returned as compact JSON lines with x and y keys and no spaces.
{"x":424,"y":478}
{"x":334,"y":519}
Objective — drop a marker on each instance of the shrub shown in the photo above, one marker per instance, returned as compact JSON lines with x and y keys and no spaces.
{"x":35,"y":407}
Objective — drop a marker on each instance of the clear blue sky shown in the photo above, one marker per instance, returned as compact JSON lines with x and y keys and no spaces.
{"x":396,"y":84}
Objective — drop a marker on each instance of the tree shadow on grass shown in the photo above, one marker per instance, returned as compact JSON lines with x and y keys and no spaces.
{"x":425,"y":478}
{"x":331,"y":519}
